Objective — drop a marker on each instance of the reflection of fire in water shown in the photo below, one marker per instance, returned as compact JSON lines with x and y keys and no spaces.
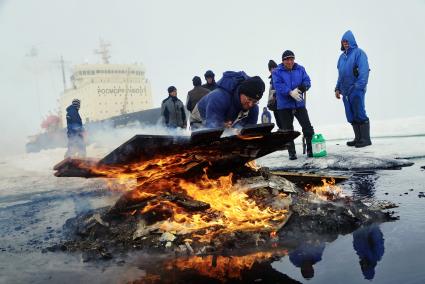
{"x":220,"y":206}
{"x":222,"y":268}
{"x":327,"y":191}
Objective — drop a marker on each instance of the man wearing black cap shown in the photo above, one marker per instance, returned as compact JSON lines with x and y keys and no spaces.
{"x":291,"y":82}
{"x":197,"y":93}
{"x":209,"y":77}
{"x":172,"y":110}
{"x":75,"y":131}
{"x":233,"y":104}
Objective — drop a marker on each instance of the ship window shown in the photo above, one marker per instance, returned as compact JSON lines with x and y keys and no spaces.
{"x":97,"y":71}
{"x":79,"y":72}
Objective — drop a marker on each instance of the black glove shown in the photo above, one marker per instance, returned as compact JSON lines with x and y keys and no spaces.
{"x":302,"y":88}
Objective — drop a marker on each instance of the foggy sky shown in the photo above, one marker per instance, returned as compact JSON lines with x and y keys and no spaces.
{"x":176,"y":40}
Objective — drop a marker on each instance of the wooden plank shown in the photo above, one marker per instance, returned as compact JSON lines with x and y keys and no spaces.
{"x":223,"y":153}
{"x":312,"y":178}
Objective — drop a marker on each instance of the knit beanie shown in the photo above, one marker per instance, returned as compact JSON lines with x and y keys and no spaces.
{"x":196,"y":81}
{"x":76,"y":103}
{"x":272,"y":64}
{"x":287,"y":54}
{"x":253,"y":87}
{"x":209,"y":74}
{"x":171,"y":89}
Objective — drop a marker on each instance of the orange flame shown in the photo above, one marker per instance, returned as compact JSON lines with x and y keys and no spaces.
{"x":327,"y":191}
{"x":230,"y":208}
{"x":252,"y":165}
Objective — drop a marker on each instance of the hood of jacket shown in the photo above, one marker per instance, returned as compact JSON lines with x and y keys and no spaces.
{"x":230,"y":80}
{"x":348,"y":36}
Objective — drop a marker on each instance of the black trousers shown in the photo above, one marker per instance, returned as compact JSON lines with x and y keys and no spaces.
{"x":276,"y":118}
{"x":286,"y":118}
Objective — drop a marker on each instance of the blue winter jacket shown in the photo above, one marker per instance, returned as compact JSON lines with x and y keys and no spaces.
{"x":285,"y":81}
{"x":73,"y":121}
{"x":223,"y":104}
{"x":353,"y":67}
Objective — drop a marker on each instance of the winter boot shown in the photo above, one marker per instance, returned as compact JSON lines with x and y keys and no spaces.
{"x":291,"y":151}
{"x":356,"y":128}
{"x":309,"y":147}
{"x":364,"y":135}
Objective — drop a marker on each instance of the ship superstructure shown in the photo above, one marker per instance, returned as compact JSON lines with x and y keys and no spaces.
{"x":111,"y":95}
{"x":107,"y":90}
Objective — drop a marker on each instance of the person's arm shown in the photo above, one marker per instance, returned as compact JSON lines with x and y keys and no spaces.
{"x":363,"y":68}
{"x":252,"y":116}
{"x":189,"y":103}
{"x":216,"y":111}
{"x":306,"y":82}
{"x":184,"y":116}
{"x":164,"y":113}
{"x":282,"y":89}
{"x":338,"y":82}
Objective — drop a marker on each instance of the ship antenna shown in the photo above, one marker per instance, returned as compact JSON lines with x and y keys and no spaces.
{"x":103,"y":51}
{"x":63,"y":73}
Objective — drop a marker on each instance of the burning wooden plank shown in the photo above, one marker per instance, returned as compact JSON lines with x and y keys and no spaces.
{"x":206,"y":147}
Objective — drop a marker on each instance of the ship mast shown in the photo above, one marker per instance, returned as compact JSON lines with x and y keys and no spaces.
{"x":63,"y":73}
{"x":104,"y":51}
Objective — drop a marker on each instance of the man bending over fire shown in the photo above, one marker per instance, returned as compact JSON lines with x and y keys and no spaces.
{"x":233,"y":104}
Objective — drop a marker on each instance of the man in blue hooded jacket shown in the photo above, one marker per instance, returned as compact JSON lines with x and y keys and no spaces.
{"x":353,"y":75}
{"x":233,"y":104}
{"x":291,"y":82}
{"x":75,"y":131}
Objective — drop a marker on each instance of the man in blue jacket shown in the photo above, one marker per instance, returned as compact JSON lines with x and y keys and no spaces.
{"x":291,"y":82}
{"x":233,"y":104}
{"x":353,"y":75}
{"x":75,"y":131}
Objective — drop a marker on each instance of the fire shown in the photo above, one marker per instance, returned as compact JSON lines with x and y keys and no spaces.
{"x":236,"y":211}
{"x":327,"y":191}
{"x":252,"y":165}
{"x":248,"y":137}
{"x":230,"y":208}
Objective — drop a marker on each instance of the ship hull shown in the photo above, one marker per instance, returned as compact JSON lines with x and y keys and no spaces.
{"x":58,"y":139}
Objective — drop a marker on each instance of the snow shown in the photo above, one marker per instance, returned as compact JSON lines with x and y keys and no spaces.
{"x":385,"y":153}
{"x":394,"y":143}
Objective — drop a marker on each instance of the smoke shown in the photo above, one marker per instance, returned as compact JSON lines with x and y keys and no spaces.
{"x":105,"y":138}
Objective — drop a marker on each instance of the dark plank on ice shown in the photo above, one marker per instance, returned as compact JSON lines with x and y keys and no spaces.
{"x":204,"y":147}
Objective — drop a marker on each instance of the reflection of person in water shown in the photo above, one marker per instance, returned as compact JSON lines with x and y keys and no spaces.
{"x":368,"y":243}
{"x":306,"y":255}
